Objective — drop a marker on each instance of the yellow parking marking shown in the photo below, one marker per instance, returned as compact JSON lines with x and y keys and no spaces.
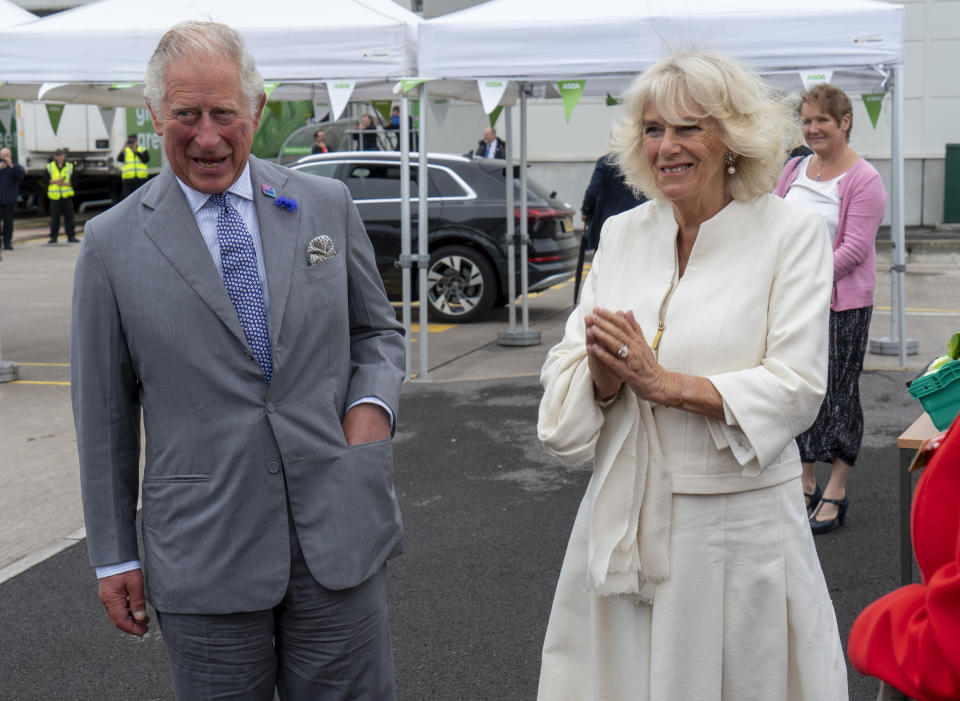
{"x":45,"y":365}
{"x":40,"y":382}
{"x":432,"y":328}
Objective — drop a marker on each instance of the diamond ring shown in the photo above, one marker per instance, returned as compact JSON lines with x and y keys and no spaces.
{"x":623,"y":352}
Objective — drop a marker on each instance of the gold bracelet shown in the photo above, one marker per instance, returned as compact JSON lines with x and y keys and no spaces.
{"x":608,"y":401}
{"x":666,"y":395}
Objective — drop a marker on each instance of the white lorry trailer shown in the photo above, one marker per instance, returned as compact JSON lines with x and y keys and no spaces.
{"x":34,"y":130}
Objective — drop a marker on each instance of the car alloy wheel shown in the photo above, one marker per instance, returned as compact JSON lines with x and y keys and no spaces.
{"x":460,"y":284}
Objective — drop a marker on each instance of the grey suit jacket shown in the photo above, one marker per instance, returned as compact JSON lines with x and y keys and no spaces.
{"x":154,"y":332}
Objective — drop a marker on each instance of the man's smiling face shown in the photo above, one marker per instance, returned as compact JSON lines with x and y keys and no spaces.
{"x":206,"y":123}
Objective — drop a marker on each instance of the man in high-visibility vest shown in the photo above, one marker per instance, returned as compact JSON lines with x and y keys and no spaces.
{"x":133,"y":172}
{"x":60,"y":196}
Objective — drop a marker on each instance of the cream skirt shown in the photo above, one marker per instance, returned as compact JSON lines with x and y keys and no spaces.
{"x":745,"y":614}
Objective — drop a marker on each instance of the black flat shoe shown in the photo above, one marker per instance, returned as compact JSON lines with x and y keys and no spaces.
{"x":813,"y":500}
{"x":819,"y":527}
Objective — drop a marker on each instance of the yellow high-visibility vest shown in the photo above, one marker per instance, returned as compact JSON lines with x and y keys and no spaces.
{"x":54,"y":191}
{"x":133,"y":167}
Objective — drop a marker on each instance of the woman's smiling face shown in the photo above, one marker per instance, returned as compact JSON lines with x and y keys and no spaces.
{"x":821,"y":131}
{"x":686,"y":158}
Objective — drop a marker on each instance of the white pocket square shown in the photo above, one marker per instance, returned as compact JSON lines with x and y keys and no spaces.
{"x":319,"y":249}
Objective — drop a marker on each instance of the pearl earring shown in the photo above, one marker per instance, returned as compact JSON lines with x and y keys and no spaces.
{"x":729,"y":159}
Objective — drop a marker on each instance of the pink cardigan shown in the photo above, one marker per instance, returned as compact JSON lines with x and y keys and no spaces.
{"x":862,"y":203}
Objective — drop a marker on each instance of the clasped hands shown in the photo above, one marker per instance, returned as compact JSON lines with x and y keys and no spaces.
{"x":607,"y":333}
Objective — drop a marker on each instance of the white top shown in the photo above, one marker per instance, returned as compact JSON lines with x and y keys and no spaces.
{"x":821,"y":196}
{"x":750,"y":314}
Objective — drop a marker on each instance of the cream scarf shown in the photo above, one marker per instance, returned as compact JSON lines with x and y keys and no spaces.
{"x":630,"y":490}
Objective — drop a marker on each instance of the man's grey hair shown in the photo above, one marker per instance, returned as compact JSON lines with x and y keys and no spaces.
{"x":199,"y":41}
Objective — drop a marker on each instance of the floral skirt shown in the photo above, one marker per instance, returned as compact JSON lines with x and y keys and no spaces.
{"x":838,"y":429}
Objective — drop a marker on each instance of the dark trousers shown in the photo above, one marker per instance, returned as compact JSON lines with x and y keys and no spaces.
{"x":64,"y":207}
{"x":130,"y":184}
{"x":317,"y":644}
{"x":6,"y":224}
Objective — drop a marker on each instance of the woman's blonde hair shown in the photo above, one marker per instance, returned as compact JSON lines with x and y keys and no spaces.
{"x":756,"y":123}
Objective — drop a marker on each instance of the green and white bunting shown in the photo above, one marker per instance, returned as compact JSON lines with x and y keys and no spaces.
{"x":107,"y":114}
{"x":8,"y":126}
{"x":407,"y":83}
{"x":6,"y":115}
{"x":339,"y":92}
{"x":873,"y":102}
{"x":811,"y":78}
{"x":495,"y":115}
{"x":571,"y":92}
{"x":320,"y":108}
{"x":274,"y":107}
{"x":491,"y":91}
{"x":47,"y":87}
{"x":383,"y":107}
{"x":55,"y":113}
{"x":439,"y":106}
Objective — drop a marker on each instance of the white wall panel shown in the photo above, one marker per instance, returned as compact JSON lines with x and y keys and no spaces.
{"x":943,"y":19}
{"x":942,"y":125}
{"x":942,"y":63}
{"x":914,"y":20}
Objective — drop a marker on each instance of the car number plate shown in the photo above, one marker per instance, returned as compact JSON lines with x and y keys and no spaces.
{"x":567,"y":224}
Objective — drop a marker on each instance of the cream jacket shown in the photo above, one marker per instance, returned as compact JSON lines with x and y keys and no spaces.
{"x":750,"y":313}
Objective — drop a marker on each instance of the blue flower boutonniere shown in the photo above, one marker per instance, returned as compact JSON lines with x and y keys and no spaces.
{"x":288,"y":203}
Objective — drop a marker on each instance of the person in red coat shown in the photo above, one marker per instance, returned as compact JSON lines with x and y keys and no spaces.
{"x":910,"y":638}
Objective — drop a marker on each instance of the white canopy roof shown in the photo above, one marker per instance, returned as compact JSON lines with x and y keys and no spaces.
{"x":11,"y":14}
{"x":110,"y":41}
{"x":540,"y":40}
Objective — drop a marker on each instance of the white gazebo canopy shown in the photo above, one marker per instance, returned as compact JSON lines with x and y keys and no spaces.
{"x":291,"y":40}
{"x":11,"y":14}
{"x":855,"y":44}
{"x":612,"y":41}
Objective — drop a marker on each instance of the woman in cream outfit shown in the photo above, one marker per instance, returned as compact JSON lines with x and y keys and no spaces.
{"x":697,"y":354}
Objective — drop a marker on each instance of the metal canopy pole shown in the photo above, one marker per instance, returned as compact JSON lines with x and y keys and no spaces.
{"x":423,"y":254}
{"x":504,"y":337}
{"x":405,"y":258}
{"x":524,"y":336}
{"x":897,"y":342}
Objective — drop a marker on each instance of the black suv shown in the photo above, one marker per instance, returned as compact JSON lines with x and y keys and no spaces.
{"x":467,"y":228}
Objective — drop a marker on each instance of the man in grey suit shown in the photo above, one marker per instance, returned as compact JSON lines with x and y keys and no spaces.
{"x":234,"y":305}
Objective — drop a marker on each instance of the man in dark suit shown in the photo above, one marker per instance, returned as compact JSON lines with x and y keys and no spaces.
{"x":235,"y":306}
{"x":491,"y":145}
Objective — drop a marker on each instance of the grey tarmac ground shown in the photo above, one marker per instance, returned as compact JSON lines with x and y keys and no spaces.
{"x":487,"y":511}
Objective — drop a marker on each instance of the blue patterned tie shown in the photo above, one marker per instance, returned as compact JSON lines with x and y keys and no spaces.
{"x":240,"y":277}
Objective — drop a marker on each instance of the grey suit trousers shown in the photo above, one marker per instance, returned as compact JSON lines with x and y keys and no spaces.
{"x":317,"y":644}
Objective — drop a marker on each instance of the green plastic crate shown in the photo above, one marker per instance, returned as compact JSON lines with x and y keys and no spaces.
{"x":939,"y":393}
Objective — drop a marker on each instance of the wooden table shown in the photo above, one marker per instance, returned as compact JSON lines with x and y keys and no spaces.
{"x":909,"y":443}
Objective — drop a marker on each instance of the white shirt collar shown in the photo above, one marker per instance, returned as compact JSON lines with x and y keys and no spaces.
{"x":242,"y":187}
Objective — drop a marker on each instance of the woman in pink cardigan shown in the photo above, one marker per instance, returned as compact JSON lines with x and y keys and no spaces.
{"x":847,"y":191}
